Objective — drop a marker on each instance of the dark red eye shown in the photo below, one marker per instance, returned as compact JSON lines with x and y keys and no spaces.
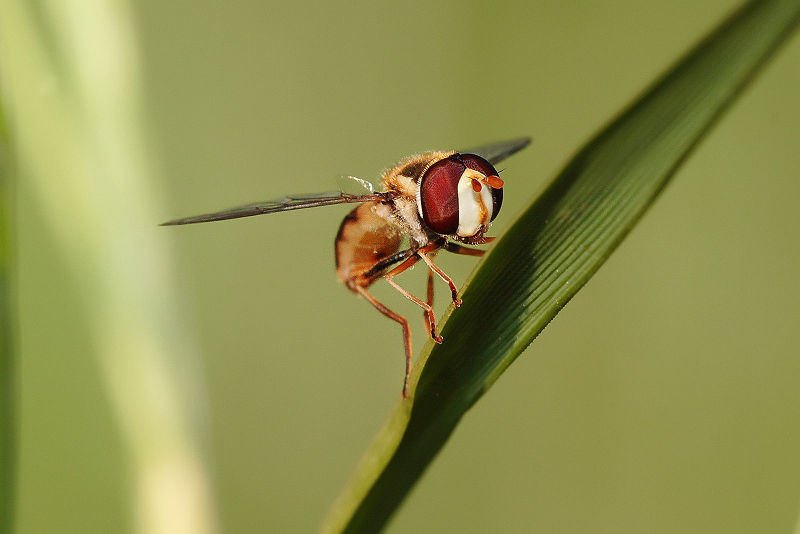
{"x":438,"y":191}
{"x":479,"y":164}
{"x":438,"y":195}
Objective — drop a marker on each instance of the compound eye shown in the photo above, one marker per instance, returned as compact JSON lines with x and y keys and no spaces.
{"x":477,"y":163}
{"x":438,"y":195}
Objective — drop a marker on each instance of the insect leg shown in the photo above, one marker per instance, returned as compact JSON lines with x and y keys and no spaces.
{"x":385,"y":263}
{"x":429,"y":299}
{"x":406,"y":331}
{"x":466,"y":251}
{"x":428,"y":310}
{"x":442,"y":275}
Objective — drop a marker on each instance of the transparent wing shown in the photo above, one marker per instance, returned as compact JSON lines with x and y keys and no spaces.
{"x":497,"y":152}
{"x":294,"y":202}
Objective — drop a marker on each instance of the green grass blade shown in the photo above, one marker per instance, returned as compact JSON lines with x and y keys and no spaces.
{"x":552,"y":250}
{"x":7,"y":378}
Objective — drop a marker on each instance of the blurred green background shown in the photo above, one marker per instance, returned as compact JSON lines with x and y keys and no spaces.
{"x":664,"y":398}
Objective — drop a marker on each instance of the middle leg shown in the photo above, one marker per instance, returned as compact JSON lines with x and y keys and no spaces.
{"x":428,"y":258}
{"x":429,"y":300}
{"x":424,"y":305}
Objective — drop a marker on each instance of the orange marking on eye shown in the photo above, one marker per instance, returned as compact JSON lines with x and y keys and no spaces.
{"x":494,"y":182}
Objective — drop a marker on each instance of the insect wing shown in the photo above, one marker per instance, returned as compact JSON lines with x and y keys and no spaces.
{"x":496,"y":152}
{"x":293,"y":202}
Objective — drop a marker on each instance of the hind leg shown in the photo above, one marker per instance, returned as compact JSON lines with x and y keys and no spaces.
{"x":403,"y":323}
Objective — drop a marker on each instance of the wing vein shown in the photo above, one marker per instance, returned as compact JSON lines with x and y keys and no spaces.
{"x":288,"y":203}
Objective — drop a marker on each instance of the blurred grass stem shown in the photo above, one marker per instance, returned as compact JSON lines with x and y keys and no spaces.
{"x":72,"y":92}
{"x":8,"y":382}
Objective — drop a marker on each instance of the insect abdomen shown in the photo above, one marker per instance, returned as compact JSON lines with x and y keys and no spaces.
{"x":365,"y":237}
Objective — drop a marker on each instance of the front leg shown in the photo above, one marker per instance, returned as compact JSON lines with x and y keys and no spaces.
{"x":455,"y":248}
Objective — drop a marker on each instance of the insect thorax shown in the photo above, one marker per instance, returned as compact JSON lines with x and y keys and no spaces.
{"x":403,"y":210}
{"x":403,"y":179}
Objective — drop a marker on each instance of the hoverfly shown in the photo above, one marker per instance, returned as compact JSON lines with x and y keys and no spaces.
{"x":430,"y":202}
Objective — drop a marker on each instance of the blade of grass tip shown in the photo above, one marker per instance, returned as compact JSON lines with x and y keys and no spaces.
{"x":8,"y":398}
{"x":553,"y":248}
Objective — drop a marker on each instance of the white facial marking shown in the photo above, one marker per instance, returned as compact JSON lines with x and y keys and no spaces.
{"x":474,"y":208}
{"x":419,"y":200}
